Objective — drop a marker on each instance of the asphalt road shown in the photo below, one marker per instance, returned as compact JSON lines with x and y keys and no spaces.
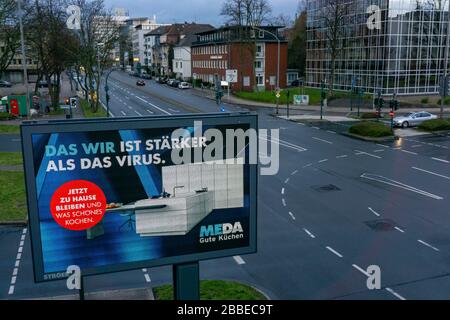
{"x":336,"y":206}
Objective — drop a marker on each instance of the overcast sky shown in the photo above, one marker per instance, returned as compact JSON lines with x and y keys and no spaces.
{"x":200,"y":11}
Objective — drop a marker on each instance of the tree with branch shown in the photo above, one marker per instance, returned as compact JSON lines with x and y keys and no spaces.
{"x":9,"y":33}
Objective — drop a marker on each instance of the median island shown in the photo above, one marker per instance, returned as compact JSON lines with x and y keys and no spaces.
{"x":371,"y":131}
{"x":435,"y":125}
{"x":215,"y":290}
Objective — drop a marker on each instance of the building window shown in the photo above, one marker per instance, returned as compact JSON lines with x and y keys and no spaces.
{"x":261,"y":34}
{"x":252,"y":33}
{"x":181,"y":65}
{"x":260,"y":80}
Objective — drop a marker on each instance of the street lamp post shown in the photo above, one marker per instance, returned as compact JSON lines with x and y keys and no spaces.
{"x":447,"y":48}
{"x":279,"y":57}
{"x":107,"y":90}
{"x":24,"y":56}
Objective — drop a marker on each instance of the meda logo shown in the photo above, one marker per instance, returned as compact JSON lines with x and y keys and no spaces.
{"x":221,"y":232}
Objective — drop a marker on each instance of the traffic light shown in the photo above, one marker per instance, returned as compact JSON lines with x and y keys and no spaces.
{"x":73,"y":102}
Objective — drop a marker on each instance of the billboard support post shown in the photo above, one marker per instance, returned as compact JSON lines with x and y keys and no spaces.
{"x":186,"y":281}
{"x":81,"y":291}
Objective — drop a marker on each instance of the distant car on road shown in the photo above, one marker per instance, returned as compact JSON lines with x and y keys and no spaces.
{"x":413,"y":119}
{"x":184,"y":85}
{"x":5,"y":84}
{"x":140,"y":83}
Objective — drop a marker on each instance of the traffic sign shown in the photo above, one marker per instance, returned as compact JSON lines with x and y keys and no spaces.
{"x":232,"y":76}
{"x":73,"y":102}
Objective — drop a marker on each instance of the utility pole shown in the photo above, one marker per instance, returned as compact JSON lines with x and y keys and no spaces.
{"x":24,"y":56}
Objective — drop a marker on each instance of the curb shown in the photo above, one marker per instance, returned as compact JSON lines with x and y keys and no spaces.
{"x":14,"y":223}
{"x":369,"y":139}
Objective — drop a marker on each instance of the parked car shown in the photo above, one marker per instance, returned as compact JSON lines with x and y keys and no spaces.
{"x":295,"y":83}
{"x":176,"y":83}
{"x":170,"y":82}
{"x":5,"y":84}
{"x":140,"y":83}
{"x":146,"y":76}
{"x":413,"y":119}
{"x":184,"y":85}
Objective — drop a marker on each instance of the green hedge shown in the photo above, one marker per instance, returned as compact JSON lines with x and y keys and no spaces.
{"x":4,"y":116}
{"x":435,"y":125}
{"x":215,"y":290}
{"x":369,"y":115}
{"x":371,"y":129}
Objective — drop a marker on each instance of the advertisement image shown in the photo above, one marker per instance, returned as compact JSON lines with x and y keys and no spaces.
{"x":116,"y":199}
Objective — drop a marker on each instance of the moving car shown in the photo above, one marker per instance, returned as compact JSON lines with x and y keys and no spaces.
{"x":184,"y":85}
{"x":5,"y":84}
{"x":413,"y":119}
{"x":140,"y":83}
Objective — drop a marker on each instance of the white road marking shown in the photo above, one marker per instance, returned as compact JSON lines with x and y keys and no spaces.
{"x":173,"y":110}
{"x":379,"y":150}
{"x":294,"y":173}
{"x":433,"y":173}
{"x":17,"y":263}
{"x":374,"y":212}
{"x":147,"y":278}
{"x":322,"y":140}
{"x":335,"y":252}
{"x":138,"y":113}
{"x":292,"y":215}
{"x":309,"y":233}
{"x":341,"y":157}
{"x":441,"y":160}
{"x":282,"y":191}
{"x":360,"y":270}
{"x":428,"y":245}
{"x":324,"y":160}
{"x":308,"y":165}
{"x":239,"y":260}
{"x":284,"y":202}
{"x":317,"y":128}
{"x":283,"y":143}
{"x":398,"y":229}
{"x":409,"y":152}
{"x":330,"y":131}
{"x":123,"y":113}
{"x":286,"y":181}
{"x":149,"y":111}
{"x":395,"y":294}
{"x":358,"y":153}
{"x":154,"y":106}
{"x":397,"y":184}
{"x":417,"y":146}
{"x":383,"y":145}
{"x":144,"y":270}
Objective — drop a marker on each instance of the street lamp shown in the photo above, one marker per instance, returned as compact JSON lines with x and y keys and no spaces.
{"x":107,"y":90}
{"x":279,"y":56}
{"x":24,"y":56}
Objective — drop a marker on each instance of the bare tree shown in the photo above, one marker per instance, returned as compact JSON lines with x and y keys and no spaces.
{"x":246,"y":12}
{"x":9,"y":33}
{"x":51,"y":43}
{"x":98,"y":35}
{"x":333,"y":21}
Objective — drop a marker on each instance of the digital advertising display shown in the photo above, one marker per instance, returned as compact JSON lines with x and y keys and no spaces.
{"x":120,"y":194}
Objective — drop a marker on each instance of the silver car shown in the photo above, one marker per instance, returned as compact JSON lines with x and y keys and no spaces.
{"x":413,"y":119}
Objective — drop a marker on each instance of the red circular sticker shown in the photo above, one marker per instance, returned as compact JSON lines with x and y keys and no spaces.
{"x":78,"y":205}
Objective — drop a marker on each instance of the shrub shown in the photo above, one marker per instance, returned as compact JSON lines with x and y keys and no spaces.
{"x":369,"y":115}
{"x":446,"y":101}
{"x":371,"y":129}
{"x":4,"y":116}
{"x":425,"y":100}
{"x":435,"y":125}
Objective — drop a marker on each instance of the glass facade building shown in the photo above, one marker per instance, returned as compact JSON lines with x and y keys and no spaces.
{"x":405,"y":56}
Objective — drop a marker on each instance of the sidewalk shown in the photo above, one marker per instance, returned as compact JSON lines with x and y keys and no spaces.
{"x":253,"y":104}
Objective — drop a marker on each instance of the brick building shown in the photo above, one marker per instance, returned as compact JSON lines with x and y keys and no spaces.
{"x":253,"y":52}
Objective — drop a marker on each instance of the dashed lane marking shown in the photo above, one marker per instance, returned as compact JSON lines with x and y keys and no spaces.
{"x":239,"y":260}
{"x":335,"y":252}
{"x":292,"y":215}
{"x":309,"y":233}
{"x":322,"y":140}
{"x":360,"y":269}
{"x":432,"y":173}
{"x":428,"y":245}
{"x":374,"y":212}
{"x":395,"y":294}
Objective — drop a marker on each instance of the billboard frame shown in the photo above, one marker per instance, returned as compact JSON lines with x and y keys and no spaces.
{"x":30,"y":128}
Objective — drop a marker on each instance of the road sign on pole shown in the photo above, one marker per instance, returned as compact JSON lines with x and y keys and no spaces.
{"x":232,"y":76}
